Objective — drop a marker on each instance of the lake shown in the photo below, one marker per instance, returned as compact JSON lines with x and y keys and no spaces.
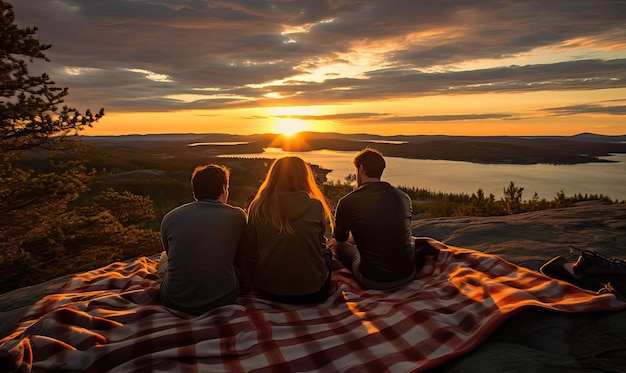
{"x":466,"y":177}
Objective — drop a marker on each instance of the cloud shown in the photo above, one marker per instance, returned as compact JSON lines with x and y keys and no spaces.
{"x":401,"y":83}
{"x":587,"y":109}
{"x":139,"y":55}
{"x":392,"y":118}
{"x":447,"y":118}
{"x":342,"y":117}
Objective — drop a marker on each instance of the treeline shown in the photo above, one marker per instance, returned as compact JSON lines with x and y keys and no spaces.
{"x":435,"y":204}
{"x":438,"y":204}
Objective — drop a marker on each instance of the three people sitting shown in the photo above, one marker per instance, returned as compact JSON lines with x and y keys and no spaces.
{"x":279,"y":247}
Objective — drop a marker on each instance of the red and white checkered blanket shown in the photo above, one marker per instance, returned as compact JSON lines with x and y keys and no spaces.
{"x":110,"y":319}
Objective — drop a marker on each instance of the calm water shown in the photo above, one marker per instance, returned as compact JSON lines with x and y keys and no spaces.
{"x":465,"y":177}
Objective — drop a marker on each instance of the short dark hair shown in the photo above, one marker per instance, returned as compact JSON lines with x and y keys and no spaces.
{"x":209,"y":181}
{"x":372,"y":161}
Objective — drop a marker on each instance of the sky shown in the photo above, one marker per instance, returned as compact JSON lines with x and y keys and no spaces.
{"x":457,"y":67}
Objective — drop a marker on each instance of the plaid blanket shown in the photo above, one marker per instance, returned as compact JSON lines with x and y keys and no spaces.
{"x":110,"y":319}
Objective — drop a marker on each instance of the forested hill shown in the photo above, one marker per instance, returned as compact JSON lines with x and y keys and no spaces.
{"x":582,"y":148}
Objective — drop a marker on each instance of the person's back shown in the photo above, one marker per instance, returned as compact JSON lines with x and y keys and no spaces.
{"x":285,"y":245}
{"x":201,"y":240}
{"x":379,"y":217}
{"x":291,"y":264}
{"x":372,"y":234}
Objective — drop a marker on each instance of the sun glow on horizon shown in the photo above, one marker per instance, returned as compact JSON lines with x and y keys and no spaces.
{"x":289,"y":120}
{"x":290,"y":126}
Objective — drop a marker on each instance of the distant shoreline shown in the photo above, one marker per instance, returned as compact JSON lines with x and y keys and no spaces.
{"x":526,"y":150}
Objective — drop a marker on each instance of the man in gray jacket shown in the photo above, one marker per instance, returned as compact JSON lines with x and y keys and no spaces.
{"x":201,"y":239}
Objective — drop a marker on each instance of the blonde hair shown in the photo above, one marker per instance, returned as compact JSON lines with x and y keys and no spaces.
{"x":286,"y":174}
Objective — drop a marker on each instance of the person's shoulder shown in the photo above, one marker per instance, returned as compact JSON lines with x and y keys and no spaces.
{"x":350,"y":195}
{"x":179,"y":209}
{"x":398,"y":190}
{"x":177,"y":213}
{"x":385,"y":185}
{"x":367,"y":188}
{"x":402,"y":193}
{"x":234,"y":208}
{"x":237,"y":211}
{"x":316,"y":203}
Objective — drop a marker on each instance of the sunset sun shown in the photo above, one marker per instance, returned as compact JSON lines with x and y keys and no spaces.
{"x":290,"y":126}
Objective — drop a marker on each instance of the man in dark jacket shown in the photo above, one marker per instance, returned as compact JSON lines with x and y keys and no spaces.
{"x":372,"y":234}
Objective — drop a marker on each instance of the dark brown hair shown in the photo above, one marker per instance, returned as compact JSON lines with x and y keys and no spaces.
{"x":209,"y":181}
{"x":372,"y":161}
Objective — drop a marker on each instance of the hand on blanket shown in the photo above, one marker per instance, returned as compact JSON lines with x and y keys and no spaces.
{"x":332,"y":243}
{"x":162,"y":265}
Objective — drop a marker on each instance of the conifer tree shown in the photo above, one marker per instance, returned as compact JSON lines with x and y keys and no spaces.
{"x":29,"y":104}
{"x":41,"y":234}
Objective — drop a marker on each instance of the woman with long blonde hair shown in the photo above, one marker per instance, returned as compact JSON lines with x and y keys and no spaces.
{"x":284,"y":250}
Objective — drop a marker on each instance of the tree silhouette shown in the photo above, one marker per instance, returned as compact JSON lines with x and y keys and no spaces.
{"x":513,"y":198}
{"x":29,"y":107}
{"x":43,"y":232}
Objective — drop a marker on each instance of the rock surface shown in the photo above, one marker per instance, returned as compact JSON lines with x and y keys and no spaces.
{"x":537,"y":340}
{"x":531,"y":239}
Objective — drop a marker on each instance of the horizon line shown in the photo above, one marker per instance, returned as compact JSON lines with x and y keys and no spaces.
{"x":341,"y":134}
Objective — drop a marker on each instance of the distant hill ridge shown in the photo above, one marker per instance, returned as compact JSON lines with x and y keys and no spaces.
{"x":336,"y":135}
{"x":581,"y":148}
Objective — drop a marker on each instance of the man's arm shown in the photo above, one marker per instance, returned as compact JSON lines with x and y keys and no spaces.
{"x":163,"y":234}
{"x":342,"y":228}
{"x":163,"y":259}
